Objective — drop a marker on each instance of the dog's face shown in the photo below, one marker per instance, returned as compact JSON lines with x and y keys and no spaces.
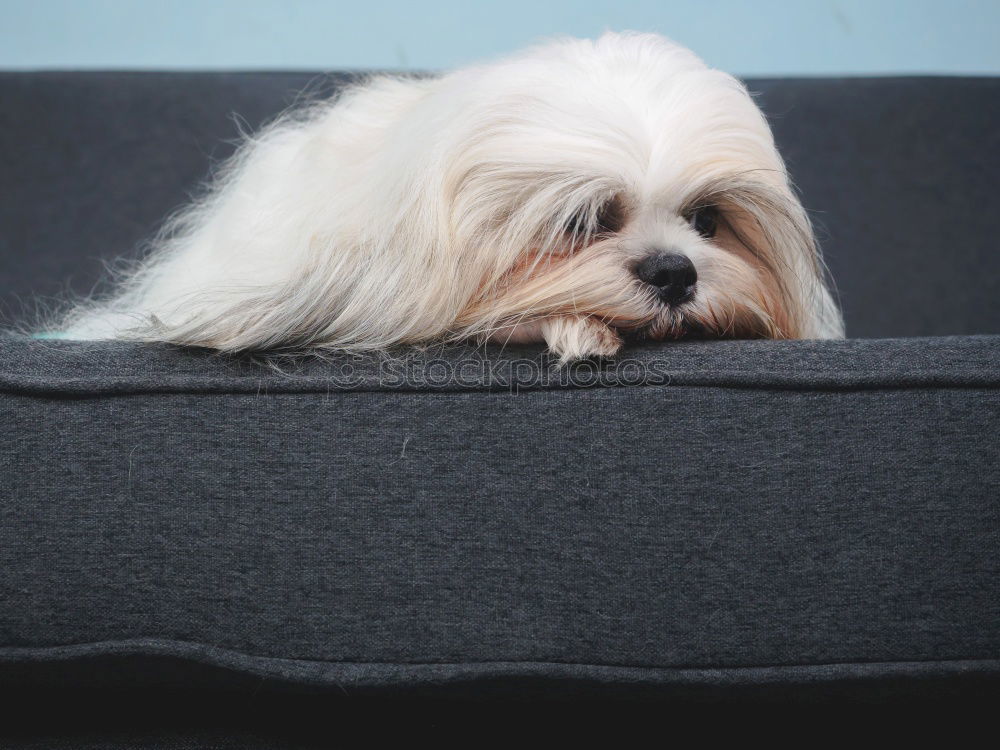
{"x":624,"y":182}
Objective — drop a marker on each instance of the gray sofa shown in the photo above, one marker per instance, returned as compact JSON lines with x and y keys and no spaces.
{"x":703,"y":520}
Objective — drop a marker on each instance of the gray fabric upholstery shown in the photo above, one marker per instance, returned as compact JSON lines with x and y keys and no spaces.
{"x":705,"y":519}
{"x":749,"y":511}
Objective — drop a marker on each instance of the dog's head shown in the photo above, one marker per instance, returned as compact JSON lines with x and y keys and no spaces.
{"x":623,"y":181}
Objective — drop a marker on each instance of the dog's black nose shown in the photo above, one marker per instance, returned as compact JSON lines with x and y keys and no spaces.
{"x":672,"y":274}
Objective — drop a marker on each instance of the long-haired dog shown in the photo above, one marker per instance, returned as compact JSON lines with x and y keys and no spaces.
{"x":578,"y":193}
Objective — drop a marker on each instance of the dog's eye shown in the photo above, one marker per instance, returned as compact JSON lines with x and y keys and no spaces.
{"x":704,"y":220}
{"x":577,"y":224}
{"x":610,"y":218}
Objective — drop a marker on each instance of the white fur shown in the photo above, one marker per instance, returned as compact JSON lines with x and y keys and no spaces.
{"x":408,"y":211}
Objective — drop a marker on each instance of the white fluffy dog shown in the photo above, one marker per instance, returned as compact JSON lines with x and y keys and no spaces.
{"x":576,"y":193}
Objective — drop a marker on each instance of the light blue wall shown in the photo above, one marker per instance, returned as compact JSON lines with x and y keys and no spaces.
{"x":744,"y":36}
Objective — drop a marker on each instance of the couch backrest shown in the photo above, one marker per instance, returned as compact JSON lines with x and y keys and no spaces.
{"x":900,"y":175}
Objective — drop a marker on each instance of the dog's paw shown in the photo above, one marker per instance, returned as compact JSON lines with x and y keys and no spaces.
{"x":574,"y":337}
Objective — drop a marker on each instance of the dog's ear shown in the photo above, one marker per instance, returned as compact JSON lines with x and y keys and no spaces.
{"x":774,"y":230}
{"x":817,"y":315}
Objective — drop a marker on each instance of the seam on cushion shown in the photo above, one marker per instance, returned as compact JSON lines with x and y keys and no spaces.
{"x":257,"y":664}
{"x":958,"y":362}
{"x":36,"y":387}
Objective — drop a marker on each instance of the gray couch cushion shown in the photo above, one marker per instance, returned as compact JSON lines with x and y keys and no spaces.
{"x":719,"y":517}
{"x":899,"y":174}
{"x":720,"y":513}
